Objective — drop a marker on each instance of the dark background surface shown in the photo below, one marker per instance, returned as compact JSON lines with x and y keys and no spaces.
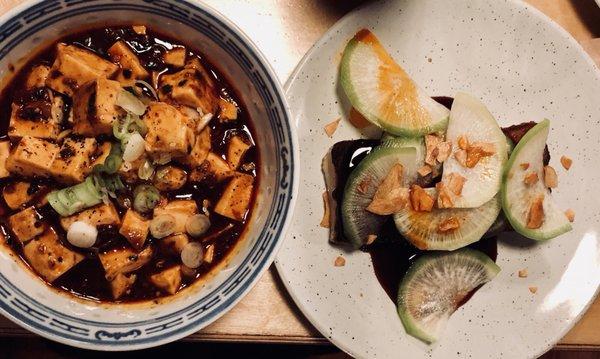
{"x":41,"y":348}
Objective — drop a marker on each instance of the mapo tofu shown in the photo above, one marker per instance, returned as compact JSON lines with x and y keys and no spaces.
{"x":128,"y":166}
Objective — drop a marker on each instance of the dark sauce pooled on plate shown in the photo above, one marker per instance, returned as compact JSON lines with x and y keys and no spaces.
{"x":391,"y":254}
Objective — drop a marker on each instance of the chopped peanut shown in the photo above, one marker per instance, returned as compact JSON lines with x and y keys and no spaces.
{"x":431,"y":146}
{"x":566,"y":162}
{"x":339,"y":262}
{"x":463,"y":142}
{"x":420,"y":200}
{"x":477,"y":151}
{"x":524,"y":166}
{"x":444,"y":149}
{"x":449,"y":224}
{"x":570,"y":215}
{"x":455,"y":183}
{"x":371,"y":238}
{"x":363,"y":186}
{"x":331,"y":127}
{"x":461,"y":157}
{"x":550,"y":177}
{"x":444,"y":199}
{"x":424,"y":171}
{"x":535,"y":218}
{"x":533,"y":289}
{"x":530,"y":178}
{"x":326,"y":213}
{"x":523,"y":273}
{"x":390,"y":197}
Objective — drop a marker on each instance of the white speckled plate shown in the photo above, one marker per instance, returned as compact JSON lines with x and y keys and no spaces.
{"x":524,"y":67}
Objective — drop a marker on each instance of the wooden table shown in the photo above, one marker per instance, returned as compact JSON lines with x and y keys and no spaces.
{"x":287,"y":30}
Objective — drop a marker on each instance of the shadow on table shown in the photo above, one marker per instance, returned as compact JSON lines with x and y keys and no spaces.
{"x":588,"y":12}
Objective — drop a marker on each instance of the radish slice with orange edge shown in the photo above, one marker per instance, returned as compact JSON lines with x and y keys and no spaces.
{"x":384,"y":93}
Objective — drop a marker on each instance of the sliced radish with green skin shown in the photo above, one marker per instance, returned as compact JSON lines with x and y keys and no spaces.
{"x":517,"y":196}
{"x":422,"y":228}
{"x":435,"y":286}
{"x":358,"y":223}
{"x":470,"y":117}
{"x":383,"y":93}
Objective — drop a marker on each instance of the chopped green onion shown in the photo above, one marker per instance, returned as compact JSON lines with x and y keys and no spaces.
{"x":70,"y":200}
{"x":112,"y":162}
{"x":112,"y":183}
{"x":146,"y":170}
{"x":145,"y":198}
{"x":127,"y":101}
{"x":162,"y":225}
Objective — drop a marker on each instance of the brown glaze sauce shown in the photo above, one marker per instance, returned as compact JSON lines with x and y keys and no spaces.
{"x":87,"y":279}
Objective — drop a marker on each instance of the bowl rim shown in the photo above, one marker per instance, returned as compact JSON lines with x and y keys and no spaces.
{"x":276,"y":240}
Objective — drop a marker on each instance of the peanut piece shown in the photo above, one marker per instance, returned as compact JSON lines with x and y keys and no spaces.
{"x":535,"y":217}
{"x":449,"y":224}
{"x":420,"y":200}
{"x":566,"y":162}
{"x":530,"y":178}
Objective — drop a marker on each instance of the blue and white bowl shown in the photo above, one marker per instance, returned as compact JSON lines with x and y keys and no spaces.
{"x":34,"y":305}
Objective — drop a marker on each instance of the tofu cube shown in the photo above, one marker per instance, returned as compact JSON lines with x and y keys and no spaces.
{"x":104,"y":214}
{"x":236,"y":149}
{"x":236,"y":197}
{"x":32,"y":157}
{"x":168,"y":131}
{"x":37,"y":77}
{"x":4,"y":152}
{"x":123,"y":261}
{"x":41,"y":119}
{"x":20,"y":193}
{"x":48,"y":257}
{"x":95,"y":107}
{"x":121,"y":284}
{"x":229,"y":110}
{"x":192,"y":86}
{"x":181,"y":210}
{"x":169,"y":280}
{"x":175,"y":57}
{"x":131,"y":67}
{"x":74,"y":160}
{"x":26,"y":224}
{"x":202,"y":146}
{"x":134,"y":229}
{"x":169,"y":178}
{"x":74,"y":67}
{"x":214,"y":166}
{"x":174,"y":244}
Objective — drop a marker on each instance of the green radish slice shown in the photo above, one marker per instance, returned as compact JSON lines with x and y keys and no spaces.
{"x":422,"y":228}
{"x":383,"y":93}
{"x":435,"y":286}
{"x":358,"y":223}
{"x":470,"y":117}
{"x":517,"y":196}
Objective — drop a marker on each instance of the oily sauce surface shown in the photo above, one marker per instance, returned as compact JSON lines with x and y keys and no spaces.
{"x":87,"y":278}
